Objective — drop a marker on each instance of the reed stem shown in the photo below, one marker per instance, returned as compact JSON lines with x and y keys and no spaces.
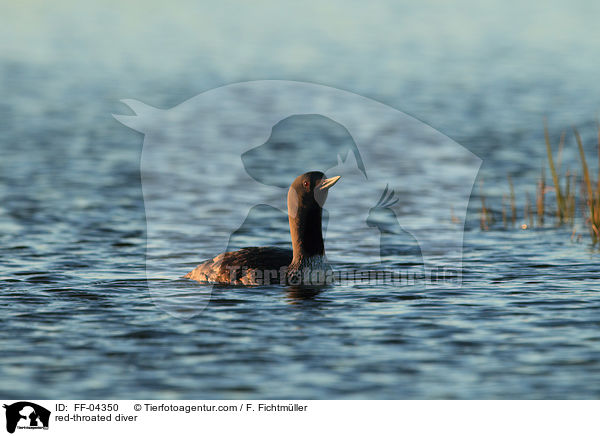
{"x":560,"y":202}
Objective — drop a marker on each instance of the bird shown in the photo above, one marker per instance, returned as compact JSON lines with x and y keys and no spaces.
{"x":304,"y":264}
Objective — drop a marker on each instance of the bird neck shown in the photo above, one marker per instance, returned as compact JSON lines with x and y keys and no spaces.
{"x":307,"y":235}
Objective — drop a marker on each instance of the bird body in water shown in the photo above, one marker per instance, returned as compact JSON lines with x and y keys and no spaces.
{"x":304,"y":264}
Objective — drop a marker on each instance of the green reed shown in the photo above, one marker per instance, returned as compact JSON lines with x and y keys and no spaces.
{"x":561,"y":202}
{"x":591,"y":192}
{"x":564,"y":186}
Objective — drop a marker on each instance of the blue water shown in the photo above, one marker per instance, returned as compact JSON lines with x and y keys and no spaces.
{"x":78,"y":319}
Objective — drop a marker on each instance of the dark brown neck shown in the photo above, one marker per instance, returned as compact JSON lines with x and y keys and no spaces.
{"x":306,"y":232}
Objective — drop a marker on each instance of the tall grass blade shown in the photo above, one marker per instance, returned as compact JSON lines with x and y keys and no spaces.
{"x":560,"y":203}
{"x":590,"y":193}
{"x":513,"y":207}
{"x":540,"y":198}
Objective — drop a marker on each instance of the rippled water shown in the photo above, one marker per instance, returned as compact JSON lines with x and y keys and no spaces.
{"x":79,"y":318}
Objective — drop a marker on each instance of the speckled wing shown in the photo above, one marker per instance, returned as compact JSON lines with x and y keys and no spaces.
{"x":248,"y":266}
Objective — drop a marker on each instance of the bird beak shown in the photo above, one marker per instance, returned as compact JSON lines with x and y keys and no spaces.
{"x":328,"y":183}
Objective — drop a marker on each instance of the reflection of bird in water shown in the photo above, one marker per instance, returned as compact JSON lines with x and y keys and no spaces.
{"x":250,"y":266}
{"x":396,"y":244}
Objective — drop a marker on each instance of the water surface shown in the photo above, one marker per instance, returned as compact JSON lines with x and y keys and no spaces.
{"x":78,"y":320}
